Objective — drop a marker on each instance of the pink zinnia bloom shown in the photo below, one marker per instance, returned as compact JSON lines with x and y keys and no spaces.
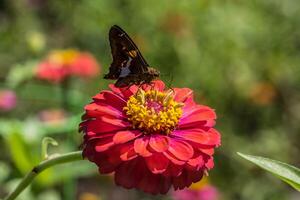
{"x":61,"y":64}
{"x":206,"y":192}
{"x":8,"y":100}
{"x":151,"y":138}
{"x":53,"y":116}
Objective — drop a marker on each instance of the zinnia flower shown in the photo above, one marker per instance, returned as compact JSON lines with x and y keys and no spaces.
{"x":61,"y":64}
{"x":54,"y":117}
{"x":151,"y":138}
{"x":207,"y":192}
{"x":8,"y":100}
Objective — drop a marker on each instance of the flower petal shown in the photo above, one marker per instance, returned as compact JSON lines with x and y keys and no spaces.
{"x":182,"y":94}
{"x":154,"y":85}
{"x":159,"y":85}
{"x":103,"y":125}
{"x":159,"y":143}
{"x":110,"y":98}
{"x":187,"y":178}
{"x":97,"y":110}
{"x":180,"y":149}
{"x":210,"y":163}
{"x":173,"y":158}
{"x":157,"y":163}
{"x":173,"y":170}
{"x":209,"y":152}
{"x":165,"y":184}
{"x":201,"y":114}
{"x":126,"y":151}
{"x":125,"y":136}
{"x":180,"y":182}
{"x":126,"y":174}
{"x":103,"y":144}
{"x":140,"y":146}
{"x":124,"y":92}
{"x":107,"y":163}
{"x":197,"y":163}
{"x":149,"y":182}
{"x":200,"y":136}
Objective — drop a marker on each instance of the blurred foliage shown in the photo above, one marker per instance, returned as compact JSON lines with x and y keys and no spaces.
{"x":240,"y":57}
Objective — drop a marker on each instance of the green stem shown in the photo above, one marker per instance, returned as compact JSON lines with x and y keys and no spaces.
{"x":63,"y":158}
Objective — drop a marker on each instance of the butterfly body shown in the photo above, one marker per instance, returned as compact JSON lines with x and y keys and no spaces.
{"x":129,"y":66}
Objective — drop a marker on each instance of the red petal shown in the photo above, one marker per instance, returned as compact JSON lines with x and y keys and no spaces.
{"x":107,"y":163}
{"x":209,"y":152}
{"x":116,"y":122}
{"x":159,"y":85}
{"x":96,"y":110}
{"x":200,"y":114}
{"x":124,"y":92}
{"x":194,"y":176}
{"x":173,"y":170}
{"x":210,"y":163}
{"x":126,"y":151}
{"x":199,"y":136}
{"x":187,"y":178}
{"x":165,"y":184}
{"x":150,"y":183}
{"x":91,"y":136}
{"x":157,"y":163}
{"x":159,"y":143}
{"x":126,"y":175}
{"x":173,"y":158}
{"x":180,"y":182}
{"x":182,"y":94}
{"x":180,"y":149}
{"x":140,"y":146}
{"x":125,"y":136}
{"x":99,"y":126}
{"x":128,"y":154}
{"x":154,"y":85}
{"x":197,"y":163}
{"x":110,"y":98}
{"x":103,"y":144}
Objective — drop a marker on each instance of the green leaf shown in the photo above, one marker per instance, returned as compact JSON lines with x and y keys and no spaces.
{"x":285,"y":172}
{"x":19,"y":153}
{"x":4,"y":171}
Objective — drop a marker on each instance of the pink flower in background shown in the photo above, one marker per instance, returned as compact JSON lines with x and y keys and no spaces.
{"x":54,"y":117}
{"x":207,"y":192}
{"x":61,"y":64}
{"x":8,"y":100}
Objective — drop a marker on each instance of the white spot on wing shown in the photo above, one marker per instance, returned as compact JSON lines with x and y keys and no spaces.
{"x":125,"y":71}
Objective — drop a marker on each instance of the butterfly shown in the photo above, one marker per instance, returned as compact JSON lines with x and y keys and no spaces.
{"x":128,"y":66}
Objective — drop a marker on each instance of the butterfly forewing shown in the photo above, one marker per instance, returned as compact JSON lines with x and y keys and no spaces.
{"x":127,"y":58}
{"x":128,"y":65}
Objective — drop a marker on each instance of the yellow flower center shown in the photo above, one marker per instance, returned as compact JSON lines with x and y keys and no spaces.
{"x":153,"y":111}
{"x":63,"y":57}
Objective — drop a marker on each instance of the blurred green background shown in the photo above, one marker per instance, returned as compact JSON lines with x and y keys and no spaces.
{"x":240,"y":57}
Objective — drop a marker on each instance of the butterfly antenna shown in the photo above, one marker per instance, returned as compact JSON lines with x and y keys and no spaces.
{"x":170,"y":81}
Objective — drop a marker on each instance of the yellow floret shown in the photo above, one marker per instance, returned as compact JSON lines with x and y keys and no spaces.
{"x":142,"y":115}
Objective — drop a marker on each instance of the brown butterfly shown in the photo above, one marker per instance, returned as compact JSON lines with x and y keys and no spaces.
{"x":128,"y":66}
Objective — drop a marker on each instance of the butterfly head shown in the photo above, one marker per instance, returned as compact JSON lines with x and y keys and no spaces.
{"x":154,"y":72}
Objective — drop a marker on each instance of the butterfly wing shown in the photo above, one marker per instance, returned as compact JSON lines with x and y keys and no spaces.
{"x":127,"y":59}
